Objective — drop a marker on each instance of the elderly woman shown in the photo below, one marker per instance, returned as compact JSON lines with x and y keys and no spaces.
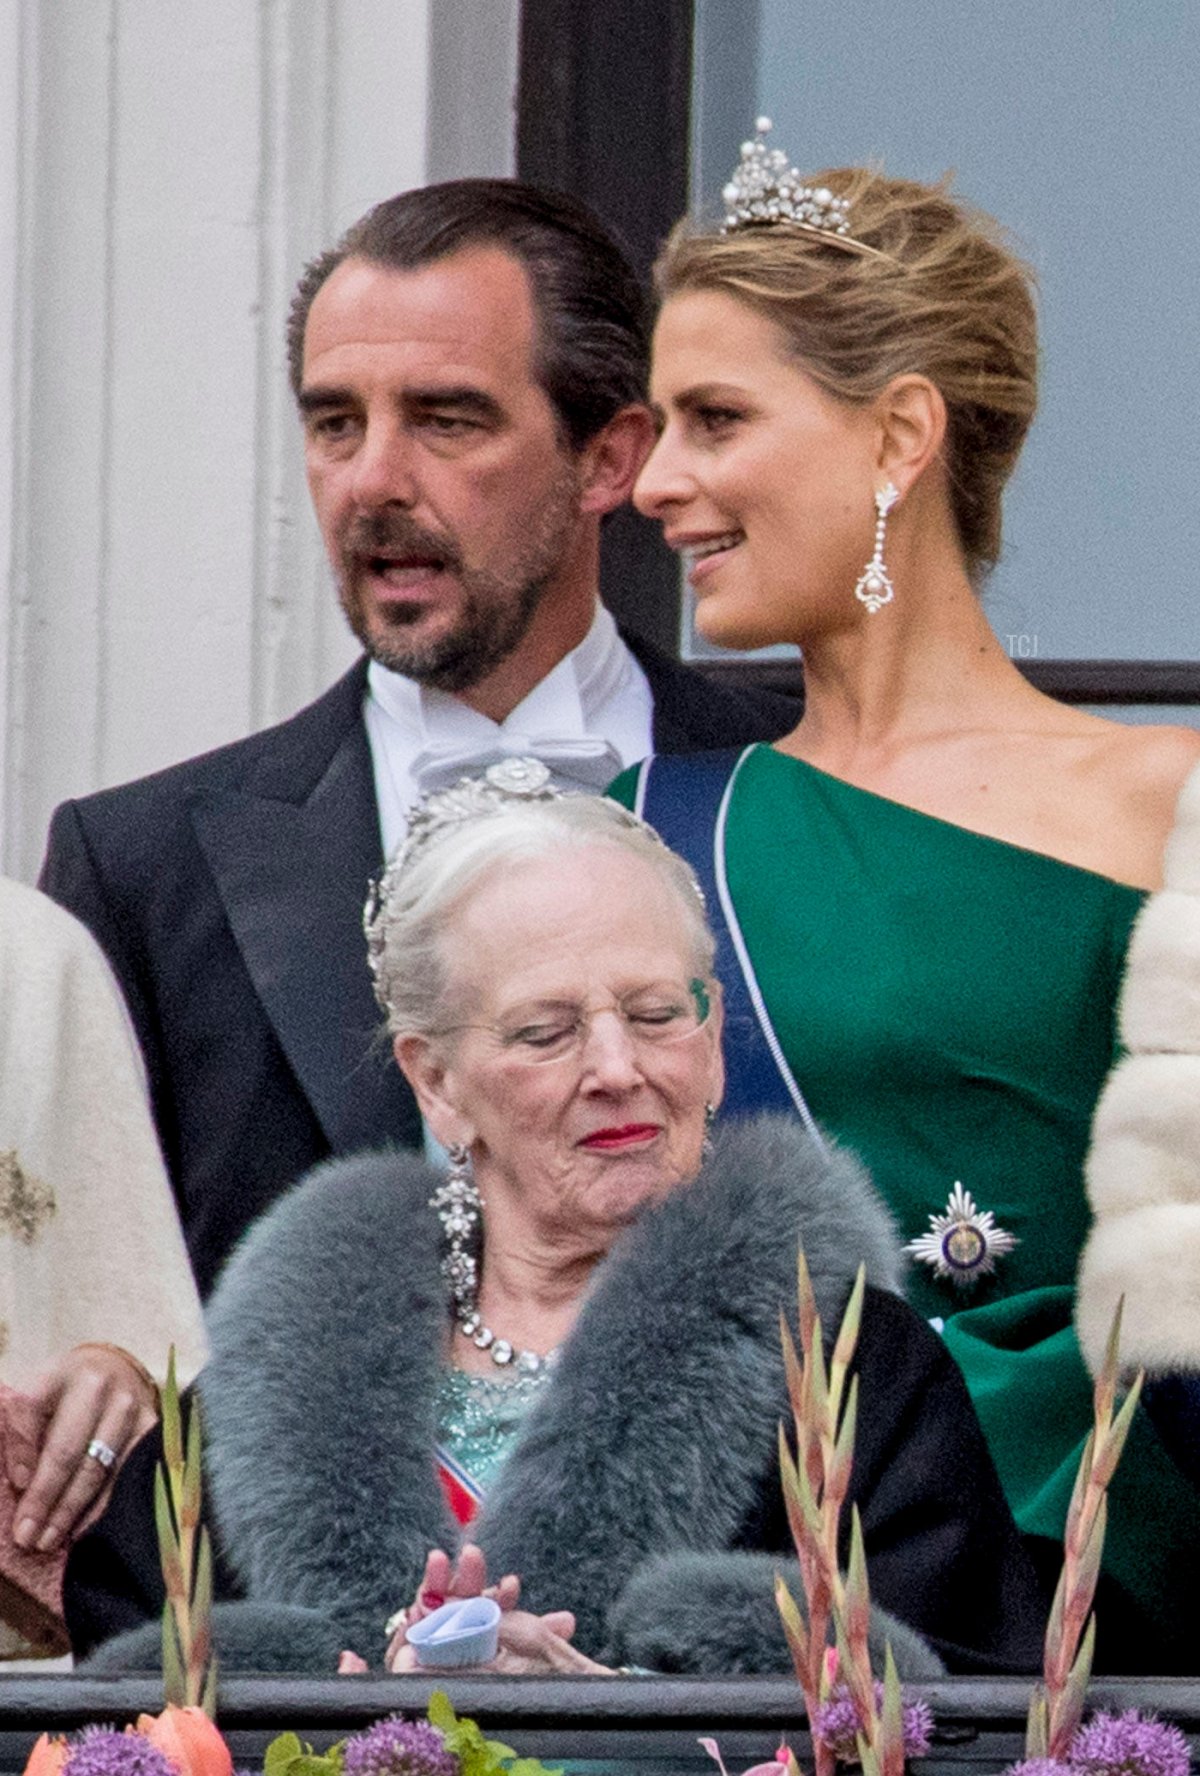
{"x":571,"y":1337}
{"x":929,"y":885}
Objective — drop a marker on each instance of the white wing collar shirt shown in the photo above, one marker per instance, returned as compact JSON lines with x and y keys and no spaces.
{"x":587,"y":719}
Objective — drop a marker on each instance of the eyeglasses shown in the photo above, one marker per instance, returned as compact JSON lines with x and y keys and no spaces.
{"x":653,"y":1016}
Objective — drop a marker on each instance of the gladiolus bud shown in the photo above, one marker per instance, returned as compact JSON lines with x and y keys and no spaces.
{"x":47,"y":1757}
{"x":187,"y":1739}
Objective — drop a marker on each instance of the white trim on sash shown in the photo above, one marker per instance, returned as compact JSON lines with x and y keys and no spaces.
{"x":747,"y":967}
{"x":639,"y":794}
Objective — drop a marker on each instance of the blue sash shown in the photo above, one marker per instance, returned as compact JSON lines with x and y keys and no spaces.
{"x":685,"y":798}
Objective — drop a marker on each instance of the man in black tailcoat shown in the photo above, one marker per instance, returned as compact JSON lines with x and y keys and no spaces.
{"x":469,"y":364}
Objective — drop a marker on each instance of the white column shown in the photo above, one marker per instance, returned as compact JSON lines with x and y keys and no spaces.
{"x":15,"y":151}
{"x":166,"y":169}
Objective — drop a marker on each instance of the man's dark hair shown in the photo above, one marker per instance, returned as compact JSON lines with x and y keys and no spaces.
{"x":591,"y":346}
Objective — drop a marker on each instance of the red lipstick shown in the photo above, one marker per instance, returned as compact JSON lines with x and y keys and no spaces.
{"x":612,"y":1140}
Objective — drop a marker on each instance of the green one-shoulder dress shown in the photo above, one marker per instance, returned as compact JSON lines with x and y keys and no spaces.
{"x":946,"y":1003}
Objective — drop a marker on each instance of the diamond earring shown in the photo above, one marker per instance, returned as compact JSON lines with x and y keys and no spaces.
{"x":874,"y":587}
{"x":457,"y":1204}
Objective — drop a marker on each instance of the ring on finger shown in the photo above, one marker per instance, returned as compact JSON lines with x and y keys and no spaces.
{"x":398,"y":1620}
{"x":100,"y":1451}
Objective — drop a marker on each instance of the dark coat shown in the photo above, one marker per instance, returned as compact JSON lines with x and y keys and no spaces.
{"x":642,"y":1492}
{"x":227,"y":893}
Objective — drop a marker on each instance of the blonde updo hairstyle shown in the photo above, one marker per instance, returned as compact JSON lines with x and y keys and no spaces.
{"x":949,"y":301}
{"x":420,"y":901}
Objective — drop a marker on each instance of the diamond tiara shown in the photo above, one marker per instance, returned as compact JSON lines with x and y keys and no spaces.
{"x":765,"y":190}
{"x":502,"y":785}
{"x":440,"y":812}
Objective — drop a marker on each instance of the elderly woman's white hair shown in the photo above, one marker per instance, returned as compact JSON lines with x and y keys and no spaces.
{"x":431,"y":878}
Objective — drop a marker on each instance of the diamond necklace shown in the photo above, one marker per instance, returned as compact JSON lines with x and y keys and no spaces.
{"x":503,"y":1353}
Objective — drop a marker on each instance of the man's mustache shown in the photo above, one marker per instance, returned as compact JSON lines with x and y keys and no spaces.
{"x":394,"y":533}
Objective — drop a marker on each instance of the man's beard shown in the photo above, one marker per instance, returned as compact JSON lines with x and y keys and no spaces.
{"x":494,"y":611}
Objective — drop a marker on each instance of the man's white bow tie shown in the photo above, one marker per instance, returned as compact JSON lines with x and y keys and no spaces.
{"x":584,"y":763}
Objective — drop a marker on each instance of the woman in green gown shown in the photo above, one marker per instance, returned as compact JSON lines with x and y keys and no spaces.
{"x":928,"y":886}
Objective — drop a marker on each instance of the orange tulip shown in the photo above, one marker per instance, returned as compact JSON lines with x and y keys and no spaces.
{"x":187,"y":1739}
{"x":47,"y":1757}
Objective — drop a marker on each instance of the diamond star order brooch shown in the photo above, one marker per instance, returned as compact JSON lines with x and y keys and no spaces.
{"x":963,"y":1243}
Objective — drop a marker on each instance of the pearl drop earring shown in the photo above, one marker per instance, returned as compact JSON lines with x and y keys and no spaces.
{"x":874,"y":587}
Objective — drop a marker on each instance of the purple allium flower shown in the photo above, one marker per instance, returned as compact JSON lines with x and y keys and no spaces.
{"x":1040,"y":1767}
{"x":104,"y":1751}
{"x":837,"y":1723}
{"x":396,"y":1747}
{"x":1129,"y":1744}
{"x":918,"y":1727}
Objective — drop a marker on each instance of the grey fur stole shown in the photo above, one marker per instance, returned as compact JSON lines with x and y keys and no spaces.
{"x":648,"y":1450}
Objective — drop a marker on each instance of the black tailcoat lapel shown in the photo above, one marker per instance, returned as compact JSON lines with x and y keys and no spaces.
{"x":293,"y":878}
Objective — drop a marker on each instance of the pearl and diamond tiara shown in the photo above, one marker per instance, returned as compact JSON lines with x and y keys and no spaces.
{"x":502,"y":785}
{"x":765,"y":191}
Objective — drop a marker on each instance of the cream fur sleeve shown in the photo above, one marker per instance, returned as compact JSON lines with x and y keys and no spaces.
{"x":90,"y":1244}
{"x":1143,"y":1170}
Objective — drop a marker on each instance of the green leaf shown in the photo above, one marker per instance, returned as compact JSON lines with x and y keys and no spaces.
{"x":891,"y":1724}
{"x":838,"y":1479}
{"x":190,"y":1494}
{"x":281,"y":1754}
{"x":1055,"y":1659}
{"x":1037,"y":1726}
{"x":168,"y":1544}
{"x":867,"y":1757}
{"x":208,"y":1699}
{"x":893,"y":1704}
{"x":172,"y":1440}
{"x":790,"y":1485}
{"x":857,"y":1595}
{"x":794,"y":1626}
{"x":1114,"y":1441}
{"x":174,"y":1680}
{"x":1106,"y":1381}
{"x":202,"y":1669}
{"x":847,"y":1339}
{"x":463,"y":1738}
{"x":287,"y":1755}
{"x":1067,"y":1708}
{"x":1089,"y":1562}
{"x":172,"y":1434}
{"x":807,"y":1300}
{"x":819,"y":1381}
{"x":439,"y":1712}
{"x":313,"y":1763}
{"x":791,"y":1364}
{"x":203,"y":1594}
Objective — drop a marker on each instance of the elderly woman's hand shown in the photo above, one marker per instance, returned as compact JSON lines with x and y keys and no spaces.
{"x":444,"y":1579}
{"x":66,"y":1441}
{"x":528,"y":1643}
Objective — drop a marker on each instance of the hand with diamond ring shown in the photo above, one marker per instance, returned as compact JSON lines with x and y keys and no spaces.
{"x":443,"y":1581}
{"x":65,"y":1441}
